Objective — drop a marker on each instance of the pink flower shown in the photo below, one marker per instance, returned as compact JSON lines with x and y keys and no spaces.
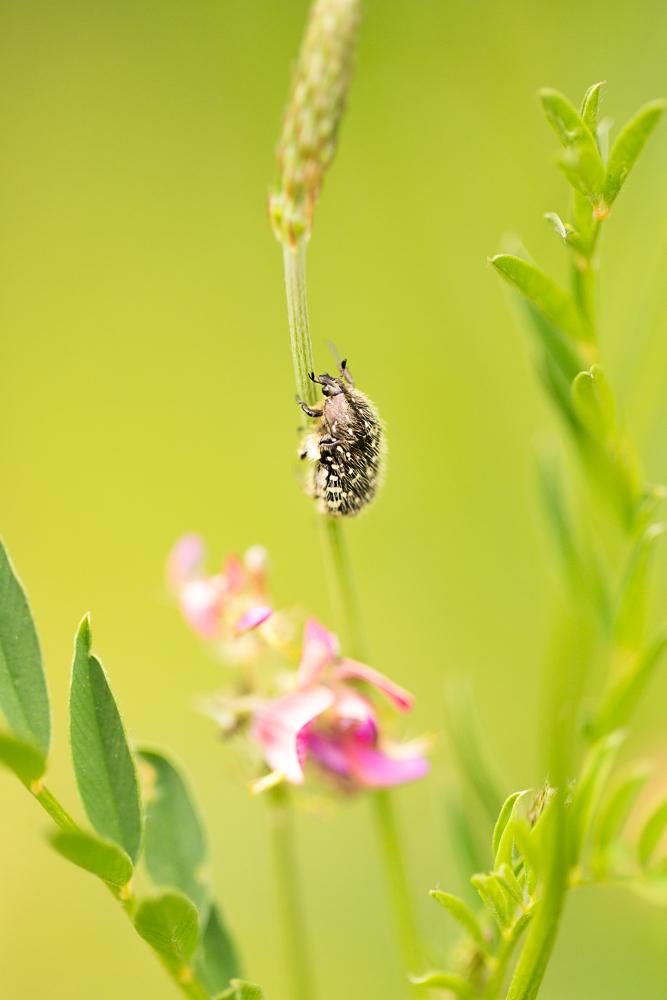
{"x":329,"y":720}
{"x":225,"y":605}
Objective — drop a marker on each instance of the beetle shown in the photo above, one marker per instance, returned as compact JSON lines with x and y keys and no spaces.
{"x":346,"y":445}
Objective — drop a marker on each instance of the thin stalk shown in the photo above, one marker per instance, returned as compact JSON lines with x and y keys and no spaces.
{"x":397,"y":881}
{"x":294,"y":260}
{"x":52,"y":806}
{"x":292,"y":919}
{"x":343,"y":590}
{"x":344,"y":594}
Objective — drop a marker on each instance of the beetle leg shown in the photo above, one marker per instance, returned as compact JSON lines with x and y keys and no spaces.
{"x":311,"y":411}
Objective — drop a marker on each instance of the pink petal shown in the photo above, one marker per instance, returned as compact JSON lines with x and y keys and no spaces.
{"x":252,"y":618}
{"x":320,"y":648}
{"x":233,"y":574}
{"x":278,"y":723}
{"x":330,"y":753}
{"x":256,"y":561}
{"x":185,"y":561}
{"x":201,"y":604}
{"x":352,"y":670}
{"x":353,"y":712}
{"x":376,"y":769}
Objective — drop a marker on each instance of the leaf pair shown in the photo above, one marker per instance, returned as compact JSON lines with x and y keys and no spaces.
{"x":579,"y":134}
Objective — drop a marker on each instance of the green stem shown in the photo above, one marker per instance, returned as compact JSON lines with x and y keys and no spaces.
{"x":294,"y":261}
{"x":52,"y":806}
{"x":397,"y":881}
{"x":344,"y":595}
{"x":344,"y":598}
{"x":292,"y":917}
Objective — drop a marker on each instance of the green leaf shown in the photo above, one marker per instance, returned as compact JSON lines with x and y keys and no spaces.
{"x":594,"y":402}
{"x":590,"y":107}
{"x":510,"y":884}
{"x":651,"y":834}
{"x":444,"y":981}
{"x":241,"y":990}
{"x":216,"y":962}
{"x":103,"y":764}
{"x":503,"y":851}
{"x":594,"y":775}
{"x":554,"y":303}
{"x":174,"y":841}
{"x":504,"y":815}
{"x":471,"y":750}
{"x":170,"y":925}
{"x":628,"y":146}
{"x":100,"y":857}
{"x":616,"y":810}
{"x":24,"y":699}
{"x":461,"y":913}
{"x":26,"y":761}
{"x":582,"y":162}
{"x":493,"y":897}
{"x":631,"y":613}
{"x":624,"y":695}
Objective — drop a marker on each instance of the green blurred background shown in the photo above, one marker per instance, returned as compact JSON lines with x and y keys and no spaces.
{"x":146,"y":389}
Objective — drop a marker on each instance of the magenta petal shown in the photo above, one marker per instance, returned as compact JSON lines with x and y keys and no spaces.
{"x":330,"y":753}
{"x":278,"y":723}
{"x":252,"y":618}
{"x":185,"y":561}
{"x":376,"y":769}
{"x":352,"y":670}
{"x":320,"y":648}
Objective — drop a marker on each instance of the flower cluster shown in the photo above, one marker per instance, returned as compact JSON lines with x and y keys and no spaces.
{"x":320,"y":712}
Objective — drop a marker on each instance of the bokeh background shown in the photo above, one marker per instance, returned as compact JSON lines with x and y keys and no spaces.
{"x":146,"y":389}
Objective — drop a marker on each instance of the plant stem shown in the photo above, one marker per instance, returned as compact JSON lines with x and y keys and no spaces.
{"x":294,"y":261}
{"x":344,"y":598}
{"x":341,"y":584}
{"x":52,"y":806}
{"x":289,"y":897}
{"x":397,"y":881}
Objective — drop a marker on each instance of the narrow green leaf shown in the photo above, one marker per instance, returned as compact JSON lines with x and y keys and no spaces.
{"x":510,"y":884}
{"x":26,"y":761}
{"x":170,"y":925}
{"x":628,"y":146}
{"x":216,"y":962}
{"x":24,"y":699}
{"x":626,"y":692}
{"x":651,"y":834}
{"x":103,"y":764}
{"x":175,"y":848}
{"x":462,"y":914}
{"x":594,"y":401}
{"x":594,"y":775}
{"x":582,"y":162}
{"x":615,"y":811}
{"x":502,"y":821}
{"x":631,"y":613}
{"x":241,"y":990}
{"x":530,"y":849}
{"x":503,"y":852}
{"x":100,"y":857}
{"x":493,"y":897}
{"x":555,"y":304}
{"x":470,"y":747}
{"x":444,"y":981}
{"x":590,"y":107}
